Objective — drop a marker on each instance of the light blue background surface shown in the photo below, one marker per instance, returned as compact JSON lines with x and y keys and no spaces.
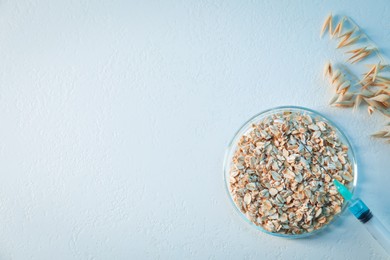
{"x":115,"y":116}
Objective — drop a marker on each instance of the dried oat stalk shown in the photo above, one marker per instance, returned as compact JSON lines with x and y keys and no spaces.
{"x":373,"y":88}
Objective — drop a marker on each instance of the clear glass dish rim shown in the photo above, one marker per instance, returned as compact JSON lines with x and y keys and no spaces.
{"x":274,"y":110}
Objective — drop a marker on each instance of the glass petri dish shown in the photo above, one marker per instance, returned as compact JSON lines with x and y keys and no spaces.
{"x":246,"y":128}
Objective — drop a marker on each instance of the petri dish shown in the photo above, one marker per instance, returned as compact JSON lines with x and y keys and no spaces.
{"x":247,"y":127}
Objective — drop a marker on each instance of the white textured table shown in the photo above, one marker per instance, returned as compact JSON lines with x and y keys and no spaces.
{"x":115,"y":116}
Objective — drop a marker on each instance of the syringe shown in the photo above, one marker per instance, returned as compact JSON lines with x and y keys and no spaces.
{"x":363,"y":213}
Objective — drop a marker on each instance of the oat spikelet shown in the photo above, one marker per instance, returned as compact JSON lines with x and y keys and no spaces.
{"x":339,"y":28}
{"x":348,"y":34}
{"x":380,"y":134}
{"x":333,"y":99}
{"x":345,"y":37}
{"x":362,"y":56}
{"x":328,"y":71}
{"x":344,"y":104}
{"x":375,"y":104}
{"x":375,"y":72}
{"x":336,"y":76}
{"x":358,"y":101}
{"x":365,"y":86}
{"x":388,"y":134}
{"x":345,"y":43}
{"x":384,"y":80}
{"x":372,"y":70}
{"x":349,"y":96}
{"x":381,"y":66}
{"x":384,"y":111}
{"x":370,"y":110}
{"x":356,"y":53}
{"x":345,"y":97}
{"x":378,"y":105}
{"x":344,"y":85}
{"x":381,"y":98}
{"x":366,"y":93}
{"x":379,"y":85}
{"x":385,"y":133}
{"x":359,"y":50}
{"x":331,"y":27}
{"x":327,"y":24}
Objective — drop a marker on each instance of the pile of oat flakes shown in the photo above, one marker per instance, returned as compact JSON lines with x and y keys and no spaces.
{"x":282,"y":173}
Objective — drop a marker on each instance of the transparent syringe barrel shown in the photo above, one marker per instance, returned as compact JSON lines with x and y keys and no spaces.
{"x":372,"y":224}
{"x":379,"y":232}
